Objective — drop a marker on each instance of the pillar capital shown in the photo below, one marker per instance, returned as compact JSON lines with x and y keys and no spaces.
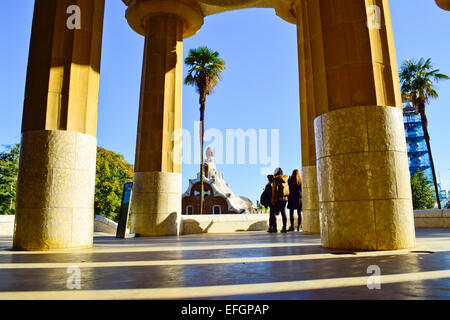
{"x":140,"y":11}
{"x":286,"y":9}
{"x":444,"y":4}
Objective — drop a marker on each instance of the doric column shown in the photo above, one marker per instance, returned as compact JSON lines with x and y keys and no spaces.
{"x":55,"y":196}
{"x":364,"y":187}
{"x":310,"y":193}
{"x":156,"y":205}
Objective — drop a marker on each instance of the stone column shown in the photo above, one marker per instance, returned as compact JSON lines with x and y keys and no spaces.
{"x":55,"y":195}
{"x":156,"y":205}
{"x":364,"y":187}
{"x":310,"y":192}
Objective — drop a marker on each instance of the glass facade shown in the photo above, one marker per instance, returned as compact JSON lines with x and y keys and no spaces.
{"x":418,"y":156}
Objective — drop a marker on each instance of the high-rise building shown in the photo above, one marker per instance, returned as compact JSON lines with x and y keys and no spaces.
{"x":418,"y":156}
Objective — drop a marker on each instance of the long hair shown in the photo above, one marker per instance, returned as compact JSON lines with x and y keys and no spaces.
{"x":295,"y":177}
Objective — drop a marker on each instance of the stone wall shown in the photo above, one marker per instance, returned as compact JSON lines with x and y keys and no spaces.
{"x":195,"y":224}
{"x":101,"y":224}
{"x":432,"y":218}
{"x":6,"y":225}
{"x":105,"y":225}
{"x":228,"y":223}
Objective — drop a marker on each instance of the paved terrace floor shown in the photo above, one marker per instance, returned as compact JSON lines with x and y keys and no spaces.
{"x":248,"y":265}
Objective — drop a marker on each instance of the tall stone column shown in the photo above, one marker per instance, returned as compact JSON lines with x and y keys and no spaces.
{"x":364,"y":187}
{"x":55,"y":196}
{"x":310,"y":192}
{"x":156,"y":205}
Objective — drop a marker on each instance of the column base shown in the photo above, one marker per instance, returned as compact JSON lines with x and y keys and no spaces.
{"x":55,"y":191}
{"x":156,"y":204}
{"x":310,"y":201}
{"x":364,"y":185}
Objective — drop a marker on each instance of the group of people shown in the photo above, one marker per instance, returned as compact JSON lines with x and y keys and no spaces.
{"x":279,"y":191}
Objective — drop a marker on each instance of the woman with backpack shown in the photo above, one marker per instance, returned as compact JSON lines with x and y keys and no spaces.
{"x":295,"y":198}
{"x":280,"y":194}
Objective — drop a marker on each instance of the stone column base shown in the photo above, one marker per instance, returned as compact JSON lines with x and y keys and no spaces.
{"x":55,"y":191}
{"x":156,"y":204}
{"x":310,"y":201}
{"x":364,"y":183}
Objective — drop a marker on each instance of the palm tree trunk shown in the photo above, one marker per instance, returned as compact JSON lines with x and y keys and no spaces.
{"x":427,"y":140}
{"x":202,"y":135}
{"x":11,"y":200}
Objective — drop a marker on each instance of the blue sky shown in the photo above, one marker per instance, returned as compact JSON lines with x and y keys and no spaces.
{"x":259,"y":88}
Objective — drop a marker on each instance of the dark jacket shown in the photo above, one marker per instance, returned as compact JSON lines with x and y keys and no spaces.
{"x":267,"y":193}
{"x":295,"y":195}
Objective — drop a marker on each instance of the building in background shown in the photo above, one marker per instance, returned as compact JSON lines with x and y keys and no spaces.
{"x":218,"y":197}
{"x":418,"y":156}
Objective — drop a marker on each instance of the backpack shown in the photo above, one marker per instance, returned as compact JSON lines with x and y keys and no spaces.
{"x":266,"y":197}
{"x":282,"y":189}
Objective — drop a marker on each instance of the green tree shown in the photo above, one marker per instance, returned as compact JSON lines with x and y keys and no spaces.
{"x":417,"y":80}
{"x":9,"y":168}
{"x":112,"y":173}
{"x":261,"y":208}
{"x":422,"y":191}
{"x":205,"y":68}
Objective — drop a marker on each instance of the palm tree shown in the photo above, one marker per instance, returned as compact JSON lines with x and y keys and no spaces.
{"x":417,"y":80}
{"x":205,"y":68}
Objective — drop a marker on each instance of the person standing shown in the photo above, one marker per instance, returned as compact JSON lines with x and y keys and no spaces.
{"x":280,"y":194}
{"x":266,"y":201}
{"x":295,"y":198}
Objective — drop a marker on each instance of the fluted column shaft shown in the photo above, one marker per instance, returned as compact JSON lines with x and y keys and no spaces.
{"x":364,"y":188}
{"x":156,"y":202}
{"x":310,"y":192}
{"x":55,"y":196}
{"x":156,"y":205}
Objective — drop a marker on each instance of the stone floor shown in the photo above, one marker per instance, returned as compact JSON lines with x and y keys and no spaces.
{"x":245,"y":265}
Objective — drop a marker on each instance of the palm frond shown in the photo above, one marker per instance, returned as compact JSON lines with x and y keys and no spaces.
{"x":417,"y":79}
{"x":205,"y":70}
